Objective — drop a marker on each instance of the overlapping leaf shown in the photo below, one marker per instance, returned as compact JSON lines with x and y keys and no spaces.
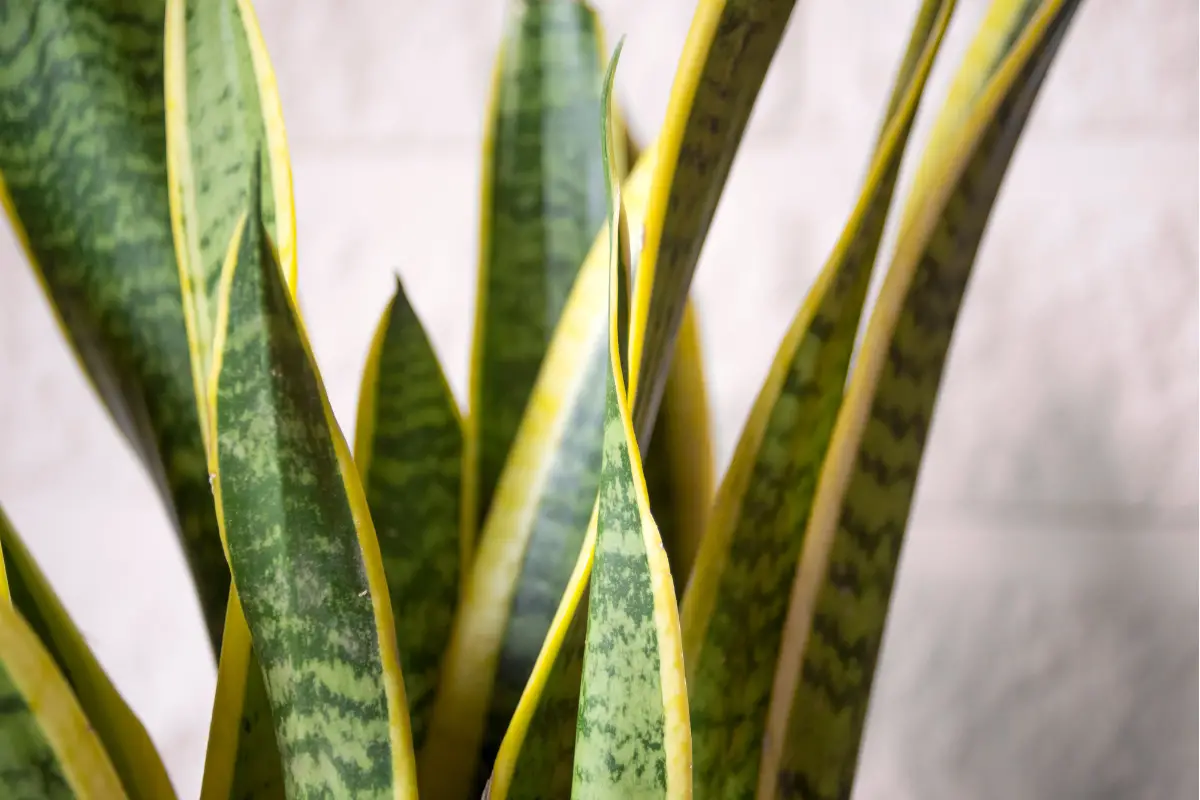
{"x":301,"y":545}
{"x":843,"y":586}
{"x":735,"y":607}
{"x":83,"y":161}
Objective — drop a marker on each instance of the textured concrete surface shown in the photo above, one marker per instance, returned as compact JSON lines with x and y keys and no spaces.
{"x":1043,"y":640}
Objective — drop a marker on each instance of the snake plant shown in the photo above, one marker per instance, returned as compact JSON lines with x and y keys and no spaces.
{"x":507,"y":599}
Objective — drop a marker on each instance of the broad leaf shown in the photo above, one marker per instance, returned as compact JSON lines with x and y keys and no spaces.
{"x":302,"y":548}
{"x":118,"y":730}
{"x":736,"y":604}
{"x":844,"y":583}
{"x":83,"y":161}
{"x":409,"y":452}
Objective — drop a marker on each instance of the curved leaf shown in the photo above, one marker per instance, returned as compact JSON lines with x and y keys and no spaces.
{"x":843,"y":586}
{"x":735,"y":606}
{"x":83,"y":162}
{"x":302,"y":548}
{"x":725,"y":58}
{"x":409,"y":451}
{"x":543,"y":204}
{"x":47,"y":747}
{"x":119,"y":731}
{"x":221,"y":103}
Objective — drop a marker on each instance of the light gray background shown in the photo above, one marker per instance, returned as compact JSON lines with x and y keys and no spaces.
{"x":1043,"y":642}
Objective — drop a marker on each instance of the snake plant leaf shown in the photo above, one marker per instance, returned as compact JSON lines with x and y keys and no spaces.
{"x":119,"y":731}
{"x":409,"y":451}
{"x":633,"y":736}
{"x":221,"y":102}
{"x":844,"y":582}
{"x":543,"y":205}
{"x":83,"y":167}
{"x":48,"y":748}
{"x":735,"y":607}
{"x":532,"y":538}
{"x":725,"y":59}
{"x":680,"y":473}
{"x":242,"y":760}
{"x":303,"y":552}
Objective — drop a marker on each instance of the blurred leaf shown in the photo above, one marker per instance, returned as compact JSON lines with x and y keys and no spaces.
{"x":83,"y":161}
{"x":843,"y":586}
{"x":303,"y":551}
{"x":118,"y":730}
{"x":409,"y":451}
{"x":735,"y":606}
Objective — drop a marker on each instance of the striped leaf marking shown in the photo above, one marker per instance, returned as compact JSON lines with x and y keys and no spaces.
{"x":48,"y":749}
{"x":409,"y":451}
{"x":725,"y":58}
{"x":632,"y":738}
{"x":83,"y":166}
{"x":304,"y":555}
{"x":221,"y":103}
{"x":843,"y":587}
{"x":242,"y":761}
{"x":543,"y":205}
{"x":119,"y":731}
{"x":735,"y":606}
{"x":532,"y":538}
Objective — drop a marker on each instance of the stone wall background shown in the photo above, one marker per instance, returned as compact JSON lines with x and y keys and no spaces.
{"x":1043,"y":640}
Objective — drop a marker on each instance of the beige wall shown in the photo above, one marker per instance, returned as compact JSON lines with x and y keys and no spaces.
{"x":1043,"y":641}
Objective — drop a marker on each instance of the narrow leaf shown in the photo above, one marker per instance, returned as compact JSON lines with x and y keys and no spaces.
{"x":219,"y":108}
{"x":302,"y":548}
{"x":843,"y":586}
{"x":47,"y":746}
{"x":543,"y":204}
{"x":409,"y":451}
{"x":83,"y":163}
{"x":725,"y":59}
{"x":736,"y":603}
{"x":533,"y":535}
{"x":119,"y":731}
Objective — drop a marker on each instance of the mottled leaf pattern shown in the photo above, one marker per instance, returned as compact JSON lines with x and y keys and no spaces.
{"x":304,"y":555}
{"x":543,"y":205}
{"x":48,"y":749}
{"x":860,"y":513}
{"x":83,"y":160}
{"x":734,"y":609}
{"x":119,"y":731}
{"x":409,"y":451}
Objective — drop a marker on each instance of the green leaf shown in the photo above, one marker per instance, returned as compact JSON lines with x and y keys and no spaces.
{"x":725,"y":58}
{"x":543,"y":205}
{"x":844,"y":583}
{"x":409,"y":451}
{"x":83,"y":162}
{"x":633,"y":737}
{"x":735,"y":606}
{"x":119,"y":731}
{"x":48,"y":749}
{"x":304,"y":554}
{"x":221,"y":103}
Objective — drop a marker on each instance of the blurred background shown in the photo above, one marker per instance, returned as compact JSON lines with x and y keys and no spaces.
{"x":1043,"y":636}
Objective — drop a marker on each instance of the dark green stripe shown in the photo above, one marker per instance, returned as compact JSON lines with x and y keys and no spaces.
{"x":29,"y":768}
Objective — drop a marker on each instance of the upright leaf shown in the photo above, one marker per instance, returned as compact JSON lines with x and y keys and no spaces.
{"x":543,"y":204}
{"x":409,"y":451}
{"x":633,"y":738}
{"x":843,"y":586}
{"x":735,"y":606}
{"x":302,"y":548}
{"x":221,"y":104}
{"x":725,"y":59}
{"x":118,"y":730}
{"x":47,"y":746}
{"x":83,"y":162}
